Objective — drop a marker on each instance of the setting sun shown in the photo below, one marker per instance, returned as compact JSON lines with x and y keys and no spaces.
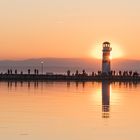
{"x":115,"y":53}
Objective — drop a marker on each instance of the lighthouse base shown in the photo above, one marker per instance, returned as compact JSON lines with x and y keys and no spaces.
{"x":106,"y":68}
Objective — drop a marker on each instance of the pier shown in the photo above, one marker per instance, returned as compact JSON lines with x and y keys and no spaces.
{"x":71,"y":77}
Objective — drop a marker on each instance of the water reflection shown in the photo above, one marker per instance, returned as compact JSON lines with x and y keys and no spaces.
{"x":105,"y":99}
{"x":29,"y":85}
{"x":105,"y":86}
{"x":35,"y":85}
{"x":68,"y":84}
{"x":69,"y":109}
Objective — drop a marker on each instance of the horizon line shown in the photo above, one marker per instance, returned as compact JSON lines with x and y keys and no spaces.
{"x":89,"y":58}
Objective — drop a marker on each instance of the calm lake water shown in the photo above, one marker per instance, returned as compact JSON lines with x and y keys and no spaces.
{"x":69,"y":111}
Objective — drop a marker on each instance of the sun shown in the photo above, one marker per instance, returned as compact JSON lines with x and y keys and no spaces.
{"x":116,"y":52}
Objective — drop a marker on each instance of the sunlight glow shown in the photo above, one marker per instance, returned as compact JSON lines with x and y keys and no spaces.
{"x":116,"y":52}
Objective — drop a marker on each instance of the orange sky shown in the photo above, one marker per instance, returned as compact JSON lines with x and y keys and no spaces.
{"x":72,"y":28}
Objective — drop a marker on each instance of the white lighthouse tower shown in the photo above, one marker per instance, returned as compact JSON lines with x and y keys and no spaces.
{"x":106,"y":67}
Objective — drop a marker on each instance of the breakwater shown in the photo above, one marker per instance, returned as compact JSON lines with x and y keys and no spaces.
{"x":60,"y":77}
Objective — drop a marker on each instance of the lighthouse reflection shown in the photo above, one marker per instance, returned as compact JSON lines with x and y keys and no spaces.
{"x":105,"y":99}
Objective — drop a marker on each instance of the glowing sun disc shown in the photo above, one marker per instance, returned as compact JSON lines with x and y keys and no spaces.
{"x":116,"y":52}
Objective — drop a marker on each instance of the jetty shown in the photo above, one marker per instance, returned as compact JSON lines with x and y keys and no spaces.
{"x":99,"y":76}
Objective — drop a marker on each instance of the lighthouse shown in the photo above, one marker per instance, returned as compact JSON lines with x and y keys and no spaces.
{"x":106,"y":67}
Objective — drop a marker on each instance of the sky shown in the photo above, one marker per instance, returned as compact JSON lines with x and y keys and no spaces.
{"x":69,"y":28}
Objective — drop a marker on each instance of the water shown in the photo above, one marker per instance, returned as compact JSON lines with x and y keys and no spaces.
{"x":69,"y":111}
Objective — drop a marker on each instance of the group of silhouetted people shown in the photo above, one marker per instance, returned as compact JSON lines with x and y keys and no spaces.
{"x":10,"y":72}
{"x":82,"y":74}
{"x":99,"y":73}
